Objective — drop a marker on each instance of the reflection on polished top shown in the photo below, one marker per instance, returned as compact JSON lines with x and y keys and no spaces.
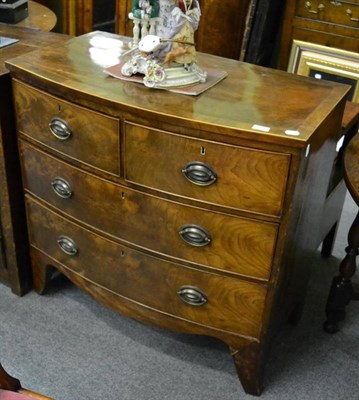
{"x":28,"y":40}
{"x":253,"y":102}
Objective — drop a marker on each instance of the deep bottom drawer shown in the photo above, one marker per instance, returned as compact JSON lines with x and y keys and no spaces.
{"x":212,"y":300}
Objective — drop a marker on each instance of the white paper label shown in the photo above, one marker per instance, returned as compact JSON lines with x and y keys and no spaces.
{"x":261,"y":128}
{"x":292,"y":133}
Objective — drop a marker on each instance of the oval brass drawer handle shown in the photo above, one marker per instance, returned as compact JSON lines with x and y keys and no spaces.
{"x":62,"y":188}
{"x":195,"y":235}
{"x":308,"y":6}
{"x":199,"y":173}
{"x":67,"y":245}
{"x":193,"y":296}
{"x":350,"y":15}
{"x":60,"y":128}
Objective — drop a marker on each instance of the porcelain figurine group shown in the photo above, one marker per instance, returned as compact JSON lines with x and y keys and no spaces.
{"x":163,"y":43}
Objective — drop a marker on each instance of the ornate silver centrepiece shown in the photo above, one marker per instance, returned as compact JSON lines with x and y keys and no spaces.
{"x":163,"y":47}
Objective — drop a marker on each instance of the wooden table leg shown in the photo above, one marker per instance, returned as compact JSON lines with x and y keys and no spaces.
{"x":249,"y":365}
{"x":342,"y":290}
{"x":41,"y":272}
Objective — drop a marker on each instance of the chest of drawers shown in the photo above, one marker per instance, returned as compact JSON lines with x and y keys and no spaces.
{"x":15,"y":270}
{"x":331,"y":23}
{"x":196,"y":214}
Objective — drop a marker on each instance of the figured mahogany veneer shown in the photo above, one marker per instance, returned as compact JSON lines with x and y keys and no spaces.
{"x":86,"y":145}
{"x":244,"y":173}
{"x":196,"y":214}
{"x":232,"y":305}
{"x":98,"y":203}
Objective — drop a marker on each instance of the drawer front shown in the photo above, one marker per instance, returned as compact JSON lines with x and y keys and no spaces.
{"x":231,"y":176}
{"x":208,"y":299}
{"x":84,"y":135}
{"x":336,"y":12}
{"x":216,"y":240}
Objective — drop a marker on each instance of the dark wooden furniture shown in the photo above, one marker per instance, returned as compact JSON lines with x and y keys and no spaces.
{"x":196,"y":214}
{"x":40,"y":17}
{"x":11,"y":389}
{"x":329,"y":23}
{"x":342,"y":289}
{"x":337,"y":188}
{"x":14,"y":261}
{"x":77,"y":16}
{"x":215,"y":35}
{"x":326,"y":23}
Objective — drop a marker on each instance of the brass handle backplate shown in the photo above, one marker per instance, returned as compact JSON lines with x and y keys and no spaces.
{"x":199,"y":173}
{"x":349,"y":13}
{"x":192,"y":295}
{"x":62,"y":188}
{"x":308,"y":6}
{"x":195,"y":235}
{"x":67,"y":245}
{"x":60,"y":128}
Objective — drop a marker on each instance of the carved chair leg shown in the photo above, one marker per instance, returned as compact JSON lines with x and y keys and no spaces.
{"x":341,"y":291}
{"x":249,"y":366}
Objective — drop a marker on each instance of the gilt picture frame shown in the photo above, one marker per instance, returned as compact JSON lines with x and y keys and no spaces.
{"x":321,"y":62}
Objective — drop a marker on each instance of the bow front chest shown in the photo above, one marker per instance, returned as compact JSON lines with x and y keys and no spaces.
{"x":193,"y":213}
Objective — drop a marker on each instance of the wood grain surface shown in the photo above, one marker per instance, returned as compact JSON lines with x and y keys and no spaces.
{"x":243,"y":174}
{"x":40,"y":18}
{"x":231,"y":107}
{"x":262,"y":218}
{"x":238,"y":245}
{"x":233,"y":305}
{"x":94,"y":139}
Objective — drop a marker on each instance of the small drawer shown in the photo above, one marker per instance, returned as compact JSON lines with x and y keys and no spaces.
{"x":80,"y":134}
{"x":223,"y":303}
{"x":336,"y":12}
{"x":215,"y":240}
{"x":230,"y":176}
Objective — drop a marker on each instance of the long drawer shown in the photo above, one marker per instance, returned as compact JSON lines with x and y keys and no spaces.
{"x":220,"y":241}
{"x":231,"y":176}
{"x":204,"y":298}
{"x":82,"y":134}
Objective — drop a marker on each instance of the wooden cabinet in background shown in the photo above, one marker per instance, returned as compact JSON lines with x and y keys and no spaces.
{"x":193,"y":213}
{"x":325,"y":22}
{"x":221,"y":30}
{"x":245,"y":29}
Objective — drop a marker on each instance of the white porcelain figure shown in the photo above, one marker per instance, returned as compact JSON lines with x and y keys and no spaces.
{"x":165,"y":51}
